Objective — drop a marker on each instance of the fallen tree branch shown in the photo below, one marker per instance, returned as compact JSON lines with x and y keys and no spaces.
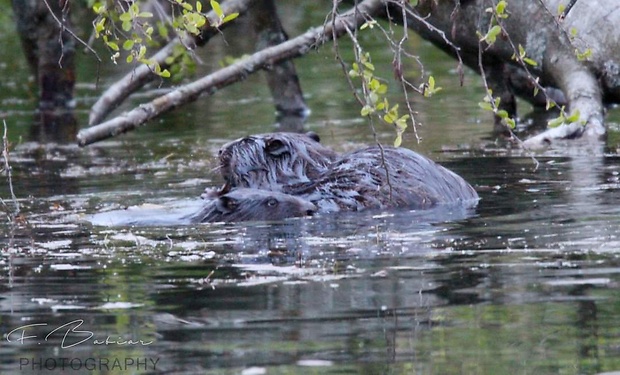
{"x":142,"y":74}
{"x":239,"y":70}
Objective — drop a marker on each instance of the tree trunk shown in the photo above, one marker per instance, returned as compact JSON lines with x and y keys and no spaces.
{"x":50,"y":51}
{"x":291,"y":109}
{"x":546,"y":39}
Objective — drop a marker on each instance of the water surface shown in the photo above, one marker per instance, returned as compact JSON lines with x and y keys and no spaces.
{"x":525,"y":283}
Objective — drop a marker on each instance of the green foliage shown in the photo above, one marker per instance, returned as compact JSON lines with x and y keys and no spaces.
{"x":491,"y":36}
{"x":498,"y":12}
{"x":368,"y":24}
{"x":429,"y":88}
{"x":583,"y":56}
{"x":524,"y":58}
{"x":491,"y":104}
{"x":376,"y":101}
{"x":563,"y":118}
{"x":124,"y":27}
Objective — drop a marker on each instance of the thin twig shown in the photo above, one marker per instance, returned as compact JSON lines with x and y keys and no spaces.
{"x":7,"y":168}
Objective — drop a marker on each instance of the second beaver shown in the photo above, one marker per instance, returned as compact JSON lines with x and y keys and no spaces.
{"x":218,"y":206}
{"x":244,"y":204}
{"x":373,"y":177}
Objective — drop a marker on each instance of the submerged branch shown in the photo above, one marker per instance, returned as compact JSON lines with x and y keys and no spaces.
{"x":239,"y":70}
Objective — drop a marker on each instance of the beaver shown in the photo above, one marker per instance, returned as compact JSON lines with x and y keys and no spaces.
{"x":237,"y":205}
{"x":270,"y":161}
{"x":373,"y":177}
{"x":244,"y":204}
{"x":384,"y":177}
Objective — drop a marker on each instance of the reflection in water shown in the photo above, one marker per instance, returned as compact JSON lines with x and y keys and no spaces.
{"x":521,"y":282}
{"x":59,"y":126}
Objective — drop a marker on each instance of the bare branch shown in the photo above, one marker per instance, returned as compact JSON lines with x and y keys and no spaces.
{"x":142,"y":74}
{"x":63,"y":28}
{"x":210,"y":84}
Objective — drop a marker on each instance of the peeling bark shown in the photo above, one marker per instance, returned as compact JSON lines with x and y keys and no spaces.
{"x":210,"y":84}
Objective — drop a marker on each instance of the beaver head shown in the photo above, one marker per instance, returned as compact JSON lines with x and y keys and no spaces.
{"x":252,"y":205}
{"x":269,"y":161}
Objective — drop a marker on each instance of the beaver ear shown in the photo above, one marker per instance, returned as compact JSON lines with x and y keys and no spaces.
{"x":275,"y":147}
{"x":313,"y":136}
{"x":226,"y":204}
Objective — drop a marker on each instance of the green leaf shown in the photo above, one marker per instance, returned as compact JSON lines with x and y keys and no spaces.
{"x":366,"y":110}
{"x":99,"y":7}
{"x":145,"y":15}
{"x":501,"y":7}
{"x":374,"y":84}
{"x":371,"y":24}
{"x":529,"y":61}
{"x":561,"y":8}
{"x":162,"y":30}
{"x":389,"y":118}
{"x":491,"y":36}
{"x":217,"y":9}
{"x":401,"y":123}
{"x":368,"y":65}
{"x":373,"y":98}
{"x":165,"y":73}
{"x":574,"y":117}
{"x":399,"y":140}
{"x":486,"y":106}
{"x":230,"y":17}
{"x":502,"y":114}
{"x":198,"y":6}
{"x":128,"y":44}
{"x":555,"y":122}
{"x":581,"y":56}
{"x":113,"y":46}
{"x":125,"y":17}
{"x":129,"y":58}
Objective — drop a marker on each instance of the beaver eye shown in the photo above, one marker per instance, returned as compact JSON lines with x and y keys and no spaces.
{"x":272,"y":202}
{"x":275,"y":147}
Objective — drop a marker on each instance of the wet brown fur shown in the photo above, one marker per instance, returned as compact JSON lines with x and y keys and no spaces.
{"x":270,"y":161}
{"x":244,"y":204}
{"x":382,"y":178}
{"x":373,"y":177}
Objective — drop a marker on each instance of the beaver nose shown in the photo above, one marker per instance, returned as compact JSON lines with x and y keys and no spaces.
{"x":311,"y":209}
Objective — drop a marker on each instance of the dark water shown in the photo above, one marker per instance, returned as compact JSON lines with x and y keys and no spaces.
{"x":525,"y":283}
